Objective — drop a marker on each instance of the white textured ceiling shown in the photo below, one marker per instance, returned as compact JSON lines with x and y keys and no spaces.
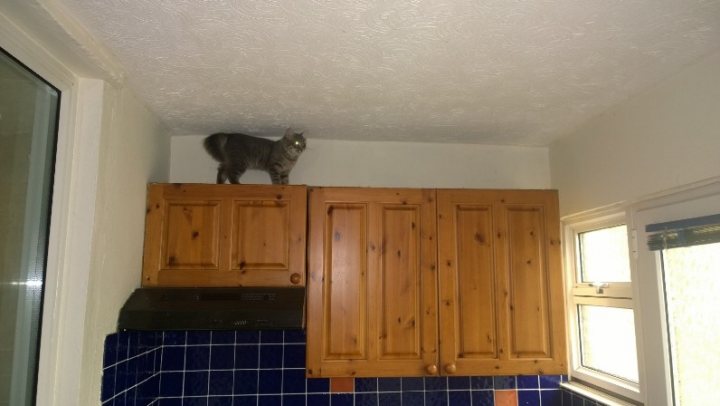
{"x":478,"y":71}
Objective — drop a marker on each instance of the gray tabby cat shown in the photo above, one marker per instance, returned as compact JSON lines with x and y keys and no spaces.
{"x":239,"y":152}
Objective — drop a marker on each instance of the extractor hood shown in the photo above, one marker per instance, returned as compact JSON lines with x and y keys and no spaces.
{"x":242,"y":308}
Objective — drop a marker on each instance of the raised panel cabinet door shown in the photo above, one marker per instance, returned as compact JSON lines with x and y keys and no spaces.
{"x":532,"y":307}
{"x":468,"y":283}
{"x":225,"y":235}
{"x":501,"y":300}
{"x":371,"y":286}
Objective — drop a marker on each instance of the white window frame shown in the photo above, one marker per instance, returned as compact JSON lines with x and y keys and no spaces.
{"x":655,"y":376}
{"x":618,"y":294}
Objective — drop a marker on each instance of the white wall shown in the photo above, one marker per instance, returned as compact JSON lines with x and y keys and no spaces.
{"x":384,"y":164}
{"x":134,"y":150}
{"x":665,"y":137}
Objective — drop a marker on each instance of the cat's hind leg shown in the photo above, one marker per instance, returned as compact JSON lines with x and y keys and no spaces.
{"x":235,"y":172}
{"x":221,"y":175}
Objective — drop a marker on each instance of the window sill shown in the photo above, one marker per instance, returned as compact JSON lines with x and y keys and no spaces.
{"x":594,"y":394}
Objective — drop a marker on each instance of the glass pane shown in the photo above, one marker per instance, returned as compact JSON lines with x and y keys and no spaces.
{"x":604,"y":255}
{"x":28,"y":116}
{"x":607,"y":340}
{"x":692,"y":290}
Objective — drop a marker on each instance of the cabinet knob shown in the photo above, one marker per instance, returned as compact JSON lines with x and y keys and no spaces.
{"x":450,"y":368}
{"x":431,"y":369}
{"x":295,"y":278}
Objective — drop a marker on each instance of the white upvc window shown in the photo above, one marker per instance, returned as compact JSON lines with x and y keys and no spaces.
{"x":642,"y":283}
{"x":601,"y":308}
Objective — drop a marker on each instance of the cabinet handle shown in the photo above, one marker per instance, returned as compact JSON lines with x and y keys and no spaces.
{"x":431,"y":369}
{"x":295,"y":278}
{"x":450,"y":368}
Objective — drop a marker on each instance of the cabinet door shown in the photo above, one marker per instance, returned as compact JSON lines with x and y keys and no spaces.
{"x":225,"y":235}
{"x":372,"y":283}
{"x":501,"y":306}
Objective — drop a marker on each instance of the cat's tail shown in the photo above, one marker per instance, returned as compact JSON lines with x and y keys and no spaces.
{"x":215,"y":145}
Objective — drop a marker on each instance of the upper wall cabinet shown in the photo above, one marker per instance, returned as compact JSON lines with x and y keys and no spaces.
{"x":225,"y":235}
{"x":371,"y":289}
{"x":383,"y":287}
{"x":500,"y":282}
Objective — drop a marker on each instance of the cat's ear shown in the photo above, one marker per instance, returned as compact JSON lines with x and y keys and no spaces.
{"x":289,"y":132}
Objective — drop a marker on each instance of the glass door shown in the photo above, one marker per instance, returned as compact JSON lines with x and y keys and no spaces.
{"x":28,"y":132}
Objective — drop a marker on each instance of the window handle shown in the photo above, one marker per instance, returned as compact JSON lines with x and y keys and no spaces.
{"x":599,"y":287}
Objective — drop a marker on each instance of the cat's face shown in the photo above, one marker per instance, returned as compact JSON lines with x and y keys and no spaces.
{"x":297,"y":142}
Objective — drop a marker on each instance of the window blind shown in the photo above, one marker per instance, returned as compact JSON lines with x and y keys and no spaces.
{"x":684,"y":233}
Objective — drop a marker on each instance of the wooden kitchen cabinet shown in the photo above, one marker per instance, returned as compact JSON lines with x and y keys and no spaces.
{"x":372,"y":283}
{"x":387,"y":297}
{"x":225,"y":235}
{"x":500,"y":282}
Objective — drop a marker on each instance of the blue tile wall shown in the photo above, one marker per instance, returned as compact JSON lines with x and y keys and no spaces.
{"x":188,"y":368}
{"x":131,"y":368}
{"x":570,"y":398}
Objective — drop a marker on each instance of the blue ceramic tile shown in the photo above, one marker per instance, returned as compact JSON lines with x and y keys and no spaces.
{"x":342,"y":399}
{"x":108,"y":384}
{"x":389,"y":398}
{"x":111,"y":350}
{"x":294,"y":356}
{"x":130,"y":396}
{"x":318,"y":385}
{"x":246,"y":382}
{"x":564,"y":378}
{"x":412,"y":384}
{"x":458,"y":382}
{"x":413,"y":398}
{"x":294,"y":336}
{"x":133,"y":343}
{"x":121,"y":377}
{"x":197,"y":358}
{"x":197,"y":337}
{"x":459,"y":398}
{"x":366,"y":385}
{"x":220,"y":401}
{"x":196,"y":383}
{"x":528,"y":382}
{"x":436,"y":383}
{"x":246,"y":356}
{"x":170,"y":402}
{"x":149,"y":390}
{"x":481,"y":382}
{"x":436,"y":398}
{"x":550,"y":398}
{"x":316,"y":399}
{"x":270,"y":381}
{"x":120,"y":400}
{"x":271,"y":336}
{"x":123,"y":343}
{"x":221,"y":382}
{"x":389,"y":384}
{"x":504,"y":382}
{"x":174,"y":337}
{"x":173,"y":358}
{"x":195,"y":401}
{"x":366,"y":399}
{"x":566,"y":398}
{"x":577,"y":400}
{"x":222,"y":357}
{"x":528,"y":398}
{"x":222,"y":337}
{"x":269,"y":400}
{"x":245,"y":400}
{"x":483,"y":398}
{"x":550,"y":381}
{"x":247,"y":337}
{"x":271,"y":356}
{"x":171,"y":384}
{"x":293,"y":381}
{"x":295,"y":400}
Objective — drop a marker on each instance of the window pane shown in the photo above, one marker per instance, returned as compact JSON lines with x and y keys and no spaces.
{"x":607,"y":340}
{"x":692,"y":289}
{"x":604,"y":255}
